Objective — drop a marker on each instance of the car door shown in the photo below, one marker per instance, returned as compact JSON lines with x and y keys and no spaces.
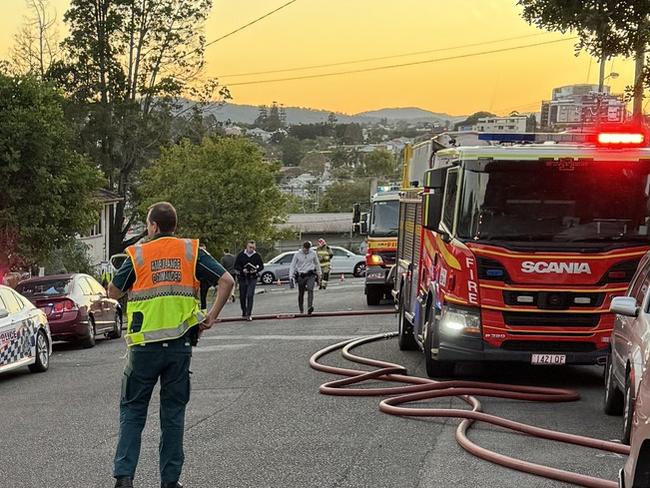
{"x":90,"y":301}
{"x":103,"y":303}
{"x":16,"y":341}
{"x":342,"y":261}
{"x":625,"y":326}
{"x":283,"y":266}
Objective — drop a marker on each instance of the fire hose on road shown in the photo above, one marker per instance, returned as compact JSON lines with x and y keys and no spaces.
{"x":418,"y":389}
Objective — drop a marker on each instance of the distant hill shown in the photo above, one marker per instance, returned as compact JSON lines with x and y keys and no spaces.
{"x":410,"y":114}
{"x":246,"y":114}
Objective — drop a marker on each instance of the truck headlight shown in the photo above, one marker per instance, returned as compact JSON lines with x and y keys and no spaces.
{"x":461,"y":320}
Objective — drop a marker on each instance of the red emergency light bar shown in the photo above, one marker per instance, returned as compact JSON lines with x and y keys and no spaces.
{"x":621,"y":138}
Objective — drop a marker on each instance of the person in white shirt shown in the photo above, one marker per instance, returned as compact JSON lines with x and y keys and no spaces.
{"x":305,"y":270}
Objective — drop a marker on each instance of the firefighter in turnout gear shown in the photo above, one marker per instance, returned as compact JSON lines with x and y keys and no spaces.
{"x":162,"y":278}
{"x":325,"y":255}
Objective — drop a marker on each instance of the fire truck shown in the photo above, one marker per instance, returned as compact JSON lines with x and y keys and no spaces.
{"x":380,"y":225}
{"x":514,"y":252}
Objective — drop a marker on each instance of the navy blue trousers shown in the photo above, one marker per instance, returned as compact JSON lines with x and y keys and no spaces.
{"x":169,"y":362}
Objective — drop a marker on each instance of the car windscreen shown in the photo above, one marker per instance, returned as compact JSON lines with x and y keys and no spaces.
{"x":384,"y":219}
{"x":582,"y":201}
{"x":47,"y":288}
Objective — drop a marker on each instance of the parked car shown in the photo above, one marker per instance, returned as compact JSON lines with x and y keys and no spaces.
{"x":343,"y":262}
{"x":76,"y":306}
{"x":636,"y":473}
{"x":629,"y":347}
{"x":24,"y":334}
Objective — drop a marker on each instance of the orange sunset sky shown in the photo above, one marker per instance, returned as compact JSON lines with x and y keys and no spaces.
{"x":311,"y":32}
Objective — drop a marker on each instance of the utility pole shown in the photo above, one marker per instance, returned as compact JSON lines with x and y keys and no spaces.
{"x":601,"y":76}
{"x":637,"y":107}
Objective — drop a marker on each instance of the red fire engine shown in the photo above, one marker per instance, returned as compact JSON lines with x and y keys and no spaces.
{"x":514,"y":253}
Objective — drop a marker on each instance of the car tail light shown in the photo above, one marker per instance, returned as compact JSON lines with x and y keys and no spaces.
{"x":63,"y":306}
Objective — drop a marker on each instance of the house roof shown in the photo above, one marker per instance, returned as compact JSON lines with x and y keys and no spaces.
{"x":107,"y":196}
{"x":319,"y":223}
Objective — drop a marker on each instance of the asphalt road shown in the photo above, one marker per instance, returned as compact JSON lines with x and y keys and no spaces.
{"x":256,"y":418}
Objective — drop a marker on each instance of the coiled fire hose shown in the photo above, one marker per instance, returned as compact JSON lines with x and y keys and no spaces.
{"x":418,"y":389}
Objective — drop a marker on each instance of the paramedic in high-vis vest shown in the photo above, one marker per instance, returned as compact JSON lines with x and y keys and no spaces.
{"x":162,"y":278}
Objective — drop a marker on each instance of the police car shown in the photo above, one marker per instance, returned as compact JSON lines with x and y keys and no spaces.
{"x":24,"y":334}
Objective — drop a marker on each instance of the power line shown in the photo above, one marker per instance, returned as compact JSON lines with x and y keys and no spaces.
{"x":239,"y":29}
{"x":381,"y":58}
{"x":402,"y":65}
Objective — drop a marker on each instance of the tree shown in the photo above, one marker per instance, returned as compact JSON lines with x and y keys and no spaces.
{"x":36,"y":45}
{"x":48,"y":189}
{"x":473,"y":119}
{"x":379,"y":163}
{"x":226,"y":194}
{"x":341,"y":196}
{"x":605,"y":28}
{"x":292,"y":151}
{"x":314,"y":163}
{"x":332,"y":119}
{"x":349,"y":133}
{"x":126,"y":64}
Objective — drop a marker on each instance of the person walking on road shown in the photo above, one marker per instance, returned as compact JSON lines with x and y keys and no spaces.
{"x":162,"y":278}
{"x":305,"y":270}
{"x":325,"y":256}
{"x":248,"y":265}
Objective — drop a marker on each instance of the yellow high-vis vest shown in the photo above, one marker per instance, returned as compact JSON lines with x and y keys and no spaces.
{"x":163,"y":302}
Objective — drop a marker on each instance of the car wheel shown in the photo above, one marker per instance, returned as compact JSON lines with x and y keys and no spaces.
{"x":613,"y":403}
{"x":42,"y":354}
{"x":89,"y":341}
{"x":116,"y":333}
{"x":405,"y":338}
{"x":267,"y":278}
{"x":628,"y":411}
{"x":435,"y":368}
{"x":359,"y":270}
{"x":373,"y":295}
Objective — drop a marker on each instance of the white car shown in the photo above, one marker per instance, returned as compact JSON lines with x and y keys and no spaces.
{"x":343,"y":262}
{"x":25,"y":338}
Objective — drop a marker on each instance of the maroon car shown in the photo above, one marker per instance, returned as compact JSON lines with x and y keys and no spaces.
{"x":76,"y":306}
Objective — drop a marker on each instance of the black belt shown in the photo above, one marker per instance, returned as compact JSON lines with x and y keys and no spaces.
{"x":308,"y":273}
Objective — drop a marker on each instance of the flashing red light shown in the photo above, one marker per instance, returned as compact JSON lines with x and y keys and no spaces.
{"x":616,"y":275}
{"x":621,"y":138}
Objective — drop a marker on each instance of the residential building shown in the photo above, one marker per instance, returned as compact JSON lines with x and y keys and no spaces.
{"x":335,"y":228}
{"x":97,"y":239}
{"x":514,"y":124}
{"x":575,"y":106}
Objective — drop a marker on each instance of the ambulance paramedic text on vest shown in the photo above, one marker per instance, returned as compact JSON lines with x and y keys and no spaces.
{"x":162,"y":278}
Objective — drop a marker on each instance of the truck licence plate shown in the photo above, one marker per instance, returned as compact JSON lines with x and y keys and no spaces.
{"x":548,"y":359}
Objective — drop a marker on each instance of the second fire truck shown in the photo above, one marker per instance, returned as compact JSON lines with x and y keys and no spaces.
{"x":515,"y":253}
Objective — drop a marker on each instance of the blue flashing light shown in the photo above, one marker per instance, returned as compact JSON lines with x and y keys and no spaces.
{"x":507,"y":137}
{"x":494,"y":273}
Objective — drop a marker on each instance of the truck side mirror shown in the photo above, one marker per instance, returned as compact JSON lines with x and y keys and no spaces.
{"x":434,"y":181}
{"x":356,"y":215}
{"x":363,"y":225}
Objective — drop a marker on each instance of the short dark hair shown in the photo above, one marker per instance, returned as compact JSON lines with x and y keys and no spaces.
{"x":164,"y":215}
{"x":306,"y":244}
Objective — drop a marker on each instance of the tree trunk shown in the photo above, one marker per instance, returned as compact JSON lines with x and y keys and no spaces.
{"x":601,"y":75}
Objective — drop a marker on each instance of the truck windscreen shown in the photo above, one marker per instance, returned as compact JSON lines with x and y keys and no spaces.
{"x":384,"y":221}
{"x":550,"y":201}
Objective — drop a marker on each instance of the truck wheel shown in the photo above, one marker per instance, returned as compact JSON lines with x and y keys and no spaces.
{"x":373,"y":295}
{"x":405,"y":339}
{"x":628,"y":412}
{"x":435,"y":368}
{"x":613,"y":404}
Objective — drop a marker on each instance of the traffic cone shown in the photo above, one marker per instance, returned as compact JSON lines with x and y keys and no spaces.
{"x":342,"y":279}
{"x":279,"y":283}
